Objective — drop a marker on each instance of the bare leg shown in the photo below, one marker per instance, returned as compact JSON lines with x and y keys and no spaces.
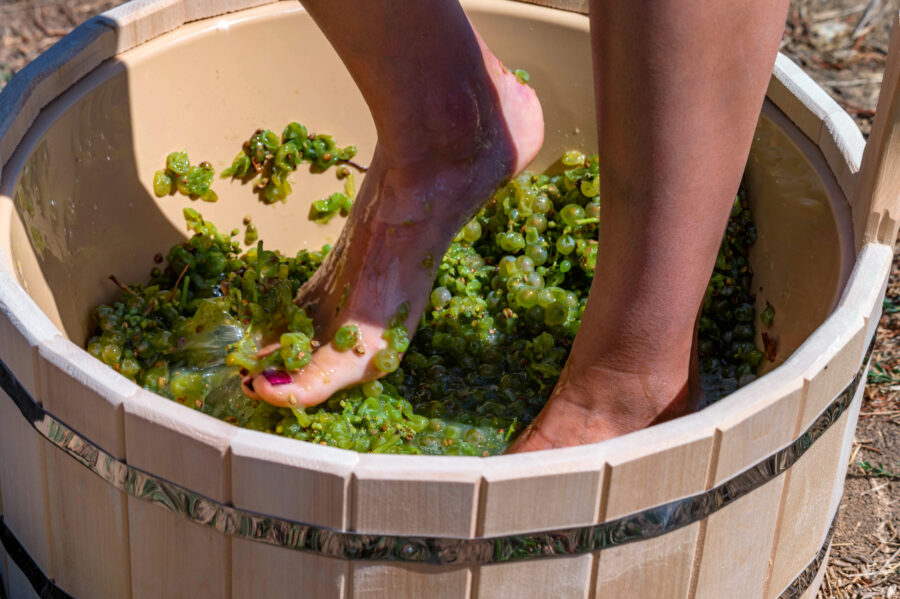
{"x":679,"y":88}
{"x":452,"y":124}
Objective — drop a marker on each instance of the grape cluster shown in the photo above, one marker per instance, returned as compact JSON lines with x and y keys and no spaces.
{"x":273,"y":159}
{"x":179,"y":175}
{"x":506,"y":304}
{"x":728,"y":318}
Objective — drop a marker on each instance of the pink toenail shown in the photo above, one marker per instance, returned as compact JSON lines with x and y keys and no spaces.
{"x":277,"y":377}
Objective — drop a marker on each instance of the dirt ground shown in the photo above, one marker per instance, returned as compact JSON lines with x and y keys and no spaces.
{"x":842,"y":45}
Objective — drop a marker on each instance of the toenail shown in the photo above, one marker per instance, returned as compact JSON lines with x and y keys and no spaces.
{"x":277,"y":377}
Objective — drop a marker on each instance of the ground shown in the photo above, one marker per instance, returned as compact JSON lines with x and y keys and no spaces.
{"x":842,"y":45}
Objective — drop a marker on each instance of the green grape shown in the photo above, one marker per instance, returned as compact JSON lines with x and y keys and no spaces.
{"x":372,"y":389}
{"x":296,"y":350}
{"x":178,"y":163}
{"x":387,"y":360}
{"x":571,"y":213}
{"x":526,"y":296}
{"x":471,"y":232}
{"x":767,"y":316}
{"x":565,"y":245}
{"x":555,"y":314}
{"x":522,"y":76}
{"x":590,"y":187}
{"x":346,"y":337}
{"x":536,"y":253}
{"x":162,"y":184}
{"x":573,"y":158}
{"x":440,"y":297}
{"x":524,"y":264}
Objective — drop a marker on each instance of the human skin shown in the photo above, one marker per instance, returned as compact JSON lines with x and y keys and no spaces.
{"x":679,"y":86}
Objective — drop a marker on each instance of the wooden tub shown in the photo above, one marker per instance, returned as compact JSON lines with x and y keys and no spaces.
{"x":112,"y":491}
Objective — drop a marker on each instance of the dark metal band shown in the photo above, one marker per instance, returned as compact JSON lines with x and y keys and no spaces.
{"x":646,"y":524}
{"x":46,"y":588}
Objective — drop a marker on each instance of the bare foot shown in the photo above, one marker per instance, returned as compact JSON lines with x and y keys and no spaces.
{"x":593,"y":402}
{"x":422,"y":186}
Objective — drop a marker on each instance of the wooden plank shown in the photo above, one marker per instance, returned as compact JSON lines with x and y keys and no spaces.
{"x":416,"y":495}
{"x":291,"y":479}
{"x":658,"y":465}
{"x":813,"y":589}
{"x":866,"y":287}
{"x":737,"y":545}
{"x":22,"y":328}
{"x":140,"y":21}
{"x":23,"y":475}
{"x":542,"y":491}
{"x":837,"y":347}
{"x":89,"y":519}
{"x":172,"y":556}
{"x":657,"y":567}
{"x":799,"y":97}
{"x":375,"y":580}
{"x":579,"y":6}
{"x":18,"y":584}
{"x":24,"y":478}
{"x":752,"y":424}
{"x":84,"y":393}
{"x":846,"y":448}
{"x":47,"y":76}
{"x":842,"y":144}
{"x":194,"y":10}
{"x":86,"y":511}
{"x":805,"y":519}
{"x":260,"y":571}
{"x":877,"y":205}
{"x":560,"y":578}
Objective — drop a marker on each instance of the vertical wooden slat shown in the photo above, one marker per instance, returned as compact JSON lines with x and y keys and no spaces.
{"x":765,"y":419}
{"x":291,"y":479}
{"x":171,"y":556}
{"x":265,"y":572}
{"x":139,"y":21}
{"x":838,"y":347}
{"x":816,"y":584}
{"x":416,"y":495}
{"x":648,"y":468}
{"x":542,"y":491}
{"x":194,"y":10}
{"x":298,"y":481}
{"x":560,"y":578}
{"x":23,"y":474}
{"x":658,"y":567}
{"x":877,"y":205}
{"x":842,"y":146}
{"x":85,"y":511}
{"x":18,"y":584}
{"x":374,"y":580}
{"x":799,"y":97}
{"x":807,"y":495}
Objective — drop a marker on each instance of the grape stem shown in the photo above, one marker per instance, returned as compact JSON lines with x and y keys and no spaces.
{"x":356,"y":165}
{"x":121,"y":286}
{"x":175,"y":288}
{"x":585,"y":221}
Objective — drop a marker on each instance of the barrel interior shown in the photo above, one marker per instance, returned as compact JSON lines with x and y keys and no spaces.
{"x":81,"y":184}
